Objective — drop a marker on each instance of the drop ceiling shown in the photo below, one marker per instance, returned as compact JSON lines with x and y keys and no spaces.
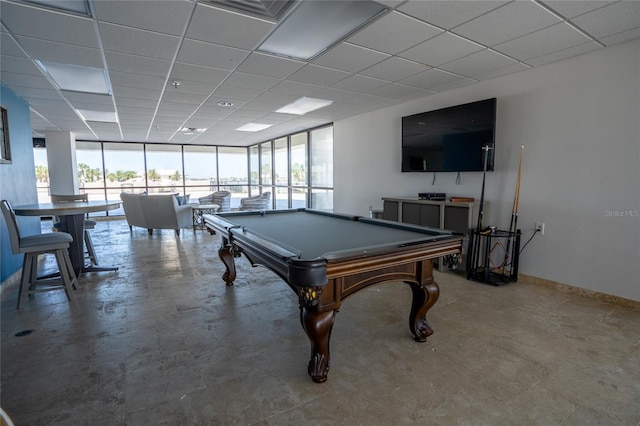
{"x":413,"y":50}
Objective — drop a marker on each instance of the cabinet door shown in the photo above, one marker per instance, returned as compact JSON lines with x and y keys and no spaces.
{"x":430,"y":215}
{"x":456,"y":219}
{"x":411,"y":213}
{"x":390,"y":210}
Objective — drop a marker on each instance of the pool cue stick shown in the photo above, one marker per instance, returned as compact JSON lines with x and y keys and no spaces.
{"x":476,"y":245}
{"x":516,"y":201}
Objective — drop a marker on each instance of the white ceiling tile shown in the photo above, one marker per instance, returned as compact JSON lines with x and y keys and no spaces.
{"x":8,"y":46}
{"x":394,"y":69}
{"x":294,"y":88}
{"x":564,"y":54}
{"x":507,"y":22}
{"x":621,"y":37}
{"x":314,"y":74}
{"x":182,"y":102}
{"x":220,"y":26}
{"x":478,"y":63}
{"x":448,"y":14}
{"x":543,"y":42}
{"x":398,"y":91}
{"x":332,"y":94}
{"x":612,"y":19}
{"x":21,"y":66}
{"x":199,"y":73}
{"x":121,"y":39}
{"x":21,"y":80}
{"x":137,"y":65}
{"x":47,"y":25}
{"x":430,"y":79}
{"x":359,"y":83}
{"x":271,"y":66}
{"x":134,"y":92}
{"x":188,"y":87}
{"x":349,"y":57}
{"x":454,"y":84}
{"x":50,"y":51}
{"x":211,"y":55}
{"x":441,"y":49}
{"x":250,"y":81}
{"x":509,"y":69}
{"x":394,"y":33}
{"x":168,"y":17}
{"x":126,"y":79}
{"x":573,"y":8}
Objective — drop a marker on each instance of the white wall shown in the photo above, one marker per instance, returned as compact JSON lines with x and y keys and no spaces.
{"x":579,"y":122}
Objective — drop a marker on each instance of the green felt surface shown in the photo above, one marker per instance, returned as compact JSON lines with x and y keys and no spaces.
{"x":314,"y":235}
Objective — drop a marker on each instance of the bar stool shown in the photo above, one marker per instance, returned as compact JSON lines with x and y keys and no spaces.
{"x":34,"y":245}
{"x":88,"y":223}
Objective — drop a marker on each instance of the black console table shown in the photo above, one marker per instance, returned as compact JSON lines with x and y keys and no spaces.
{"x":493,"y":255}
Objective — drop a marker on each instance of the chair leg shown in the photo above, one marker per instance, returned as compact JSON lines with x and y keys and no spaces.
{"x":89,"y":244}
{"x":64,"y":273}
{"x":150,"y":231}
{"x":25,"y":279}
{"x":72,"y":273}
{"x":177,"y":232}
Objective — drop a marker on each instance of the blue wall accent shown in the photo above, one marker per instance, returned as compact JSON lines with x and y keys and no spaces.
{"x":18,"y":179}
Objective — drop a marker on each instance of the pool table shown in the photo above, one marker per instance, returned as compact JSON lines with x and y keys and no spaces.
{"x":327,"y":257}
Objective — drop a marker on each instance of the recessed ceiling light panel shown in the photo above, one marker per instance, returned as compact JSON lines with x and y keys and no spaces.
{"x":304,"y":105}
{"x":253,"y":127}
{"x":102,"y":116}
{"x":314,"y":26}
{"x":77,"y":78}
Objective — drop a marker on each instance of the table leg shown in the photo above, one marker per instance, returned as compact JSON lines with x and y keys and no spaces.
{"x":74,"y":225}
{"x":226,"y":255}
{"x":318,"y":326}
{"x":425,"y":295}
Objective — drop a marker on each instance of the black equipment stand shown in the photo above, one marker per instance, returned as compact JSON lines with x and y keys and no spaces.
{"x":490,"y":260}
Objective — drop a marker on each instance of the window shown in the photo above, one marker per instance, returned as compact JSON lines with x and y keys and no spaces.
{"x":5,"y":146}
{"x":105,"y":169}
{"x":232,"y":172}
{"x":321,"y":161}
{"x":200,"y":170}
{"x":164,"y":168}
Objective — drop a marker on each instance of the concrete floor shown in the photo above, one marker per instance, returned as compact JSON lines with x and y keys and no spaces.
{"x":163,"y":341}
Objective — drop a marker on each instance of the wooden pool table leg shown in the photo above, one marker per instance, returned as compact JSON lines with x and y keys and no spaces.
{"x":318,"y":326}
{"x":425,"y":295}
{"x":226,"y":255}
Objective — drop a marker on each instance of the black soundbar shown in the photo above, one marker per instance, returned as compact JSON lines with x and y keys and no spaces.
{"x":435,"y":196}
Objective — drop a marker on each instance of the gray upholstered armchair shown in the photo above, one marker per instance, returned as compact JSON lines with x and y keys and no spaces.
{"x":259,"y":202}
{"x":221,"y":198}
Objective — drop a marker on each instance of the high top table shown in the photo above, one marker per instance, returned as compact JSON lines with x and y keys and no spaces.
{"x":71,"y":216}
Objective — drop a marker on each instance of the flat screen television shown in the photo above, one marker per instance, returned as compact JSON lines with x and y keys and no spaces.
{"x":450,"y":139}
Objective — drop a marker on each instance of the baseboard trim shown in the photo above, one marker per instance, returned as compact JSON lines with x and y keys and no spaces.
{"x":566,"y":288}
{"x":12,"y":281}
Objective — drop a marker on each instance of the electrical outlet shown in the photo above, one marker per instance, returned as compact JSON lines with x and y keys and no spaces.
{"x":540,"y":227}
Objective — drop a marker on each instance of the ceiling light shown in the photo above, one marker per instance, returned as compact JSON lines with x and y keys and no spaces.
{"x":225,"y":103}
{"x":304,"y":105}
{"x":77,"y":78}
{"x":76,"y":6}
{"x":191,"y":130}
{"x":314,"y":26}
{"x":102,"y":116}
{"x":253,"y":127}
{"x":176,"y":83}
